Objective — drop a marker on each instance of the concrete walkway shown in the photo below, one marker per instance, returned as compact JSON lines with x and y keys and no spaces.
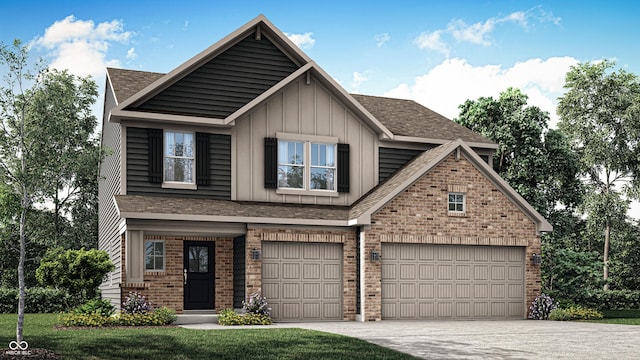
{"x":517,"y":339}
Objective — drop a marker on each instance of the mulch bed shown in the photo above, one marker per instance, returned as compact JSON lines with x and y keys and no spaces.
{"x":35,"y":353}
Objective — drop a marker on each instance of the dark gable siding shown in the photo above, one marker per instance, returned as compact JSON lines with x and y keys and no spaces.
{"x":138,"y":168}
{"x":392,"y":159}
{"x":226,"y":83}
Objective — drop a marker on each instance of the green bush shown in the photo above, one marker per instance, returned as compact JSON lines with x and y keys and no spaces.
{"x":37,"y":300}
{"x":99,"y":306}
{"x":79,"y":272}
{"x":158,"y":317}
{"x":575,"y":313}
{"x":609,"y":300}
{"x":230,"y":317}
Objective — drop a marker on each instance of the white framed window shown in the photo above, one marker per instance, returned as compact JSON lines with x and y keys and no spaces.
{"x":323,"y":167}
{"x":179,"y":157}
{"x":307,"y":165}
{"x":291,"y":164}
{"x":457,"y":202}
{"x":154,"y":255}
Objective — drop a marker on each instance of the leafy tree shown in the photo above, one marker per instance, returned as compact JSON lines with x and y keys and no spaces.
{"x":79,"y":272}
{"x":538,"y":163}
{"x":45,"y":122}
{"x":600,"y":113}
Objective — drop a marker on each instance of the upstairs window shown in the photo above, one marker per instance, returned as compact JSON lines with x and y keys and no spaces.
{"x":323,"y":167}
{"x":291,"y":164}
{"x":179,"y":159}
{"x":457,"y":203}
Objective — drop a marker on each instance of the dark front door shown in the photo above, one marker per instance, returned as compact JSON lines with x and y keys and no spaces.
{"x":198,"y":275}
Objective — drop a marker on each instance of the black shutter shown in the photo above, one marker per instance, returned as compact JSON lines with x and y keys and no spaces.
{"x":343,"y":167}
{"x":270,"y":163}
{"x":202,"y":159}
{"x":155,"y":155}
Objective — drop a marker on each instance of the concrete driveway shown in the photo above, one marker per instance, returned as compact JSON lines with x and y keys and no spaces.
{"x":517,"y":339}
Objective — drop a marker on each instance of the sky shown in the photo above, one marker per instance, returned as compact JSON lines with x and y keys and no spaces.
{"x":439,"y":53}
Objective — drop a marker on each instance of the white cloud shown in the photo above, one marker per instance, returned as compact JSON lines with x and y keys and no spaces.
{"x":381,"y":39}
{"x":131,"y":54}
{"x":303,"y":41}
{"x":432,"y":41}
{"x":454,"y":81}
{"x":479,"y":32}
{"x":81,"y":46}
{"x":357,"y":80}
{"x":185,"y":27}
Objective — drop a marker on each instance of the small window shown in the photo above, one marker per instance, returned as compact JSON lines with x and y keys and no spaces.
{"x":154,"y":255}
{"x":457,"y":202}
{"x":179,"y":159}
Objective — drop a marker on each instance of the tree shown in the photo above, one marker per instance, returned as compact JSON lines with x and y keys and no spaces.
{"x":600,"y":113}
{"x":79,"y":272}
{"x":536,"y":162}
{"x":45,"y":120}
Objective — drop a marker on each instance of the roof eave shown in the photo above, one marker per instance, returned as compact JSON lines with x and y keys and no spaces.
{"x":233,"y":219}
{"x":414,"y":139}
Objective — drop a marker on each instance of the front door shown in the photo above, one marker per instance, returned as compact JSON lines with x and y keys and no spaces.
{"x":198,"y":275}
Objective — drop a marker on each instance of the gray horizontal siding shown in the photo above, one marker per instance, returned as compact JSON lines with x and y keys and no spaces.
{"x":138,"y":168}
{"x":392,"y":159}
{"x":109,"y":184}
{"x":226,"y":83}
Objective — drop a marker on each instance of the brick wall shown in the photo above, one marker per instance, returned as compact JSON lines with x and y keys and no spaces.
{"x":255,"y":237}
{"x":165,"y":288}
{"x":420,"y":215}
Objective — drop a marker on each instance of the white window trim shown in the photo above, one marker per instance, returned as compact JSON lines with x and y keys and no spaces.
{"x":307,"y":140}
{"x":164,"y":256}
{"x":464,"y":204}
{"x":179,"y":184}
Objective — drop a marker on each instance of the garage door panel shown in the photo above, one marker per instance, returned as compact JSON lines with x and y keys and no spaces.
{"x":407,"y":290}
{"x":426,"y":271}
{"x":303,"y":281}
{"x":290,"y":270}
{"x":332,"y":271}
{"x":408,"y":271}
{"x":452,"y":281}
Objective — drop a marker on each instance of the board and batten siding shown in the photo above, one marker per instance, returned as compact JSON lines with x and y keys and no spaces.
{"x":138,"y":168}
{"x":109,"y":184}
{"x":227,"y":82}
{"x":307,"y":109}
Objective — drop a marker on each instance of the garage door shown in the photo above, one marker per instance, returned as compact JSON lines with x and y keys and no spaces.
{"x":452,"y":282}
{"x":302,"y":281}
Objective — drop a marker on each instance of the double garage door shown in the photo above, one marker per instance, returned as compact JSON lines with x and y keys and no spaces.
{"x":302,"y":281}
{"x":422,"y":281}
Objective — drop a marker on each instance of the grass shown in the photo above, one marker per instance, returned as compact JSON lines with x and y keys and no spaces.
{"x":621,"y":317}
{"x":621,"y":321}
{"x":179,"y":343}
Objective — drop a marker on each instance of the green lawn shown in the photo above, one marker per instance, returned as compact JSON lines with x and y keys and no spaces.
{"x":622,"y":321}
{"x":178,"y":343}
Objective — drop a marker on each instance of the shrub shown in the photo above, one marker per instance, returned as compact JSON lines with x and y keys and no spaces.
{"x":230,"y":317}
{"x":37,"y":300}
{"x":99,"y":306}
{"x":542,"y":307}
{"x":256,"y":304}
{"x":158,"y":317}
{"x":609,"y":300}
{"x":76,"y":271}
{"x":575,"y":313}
{"x":135,"y":303}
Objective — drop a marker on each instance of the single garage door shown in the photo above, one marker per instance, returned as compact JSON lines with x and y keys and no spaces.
{"x":302,"y":281}
{"x":422,"y":281}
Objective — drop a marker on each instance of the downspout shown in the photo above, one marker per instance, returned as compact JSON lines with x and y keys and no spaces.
{"x":360,"y":316}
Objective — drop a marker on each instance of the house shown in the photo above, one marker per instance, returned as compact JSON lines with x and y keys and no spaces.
{"x":249,"y":169}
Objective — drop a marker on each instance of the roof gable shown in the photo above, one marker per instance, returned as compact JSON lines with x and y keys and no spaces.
{"x":405,"y":177}
{"x":225,"y":83}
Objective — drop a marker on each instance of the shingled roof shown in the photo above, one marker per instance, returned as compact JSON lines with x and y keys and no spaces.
{"x":401,"y":117}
